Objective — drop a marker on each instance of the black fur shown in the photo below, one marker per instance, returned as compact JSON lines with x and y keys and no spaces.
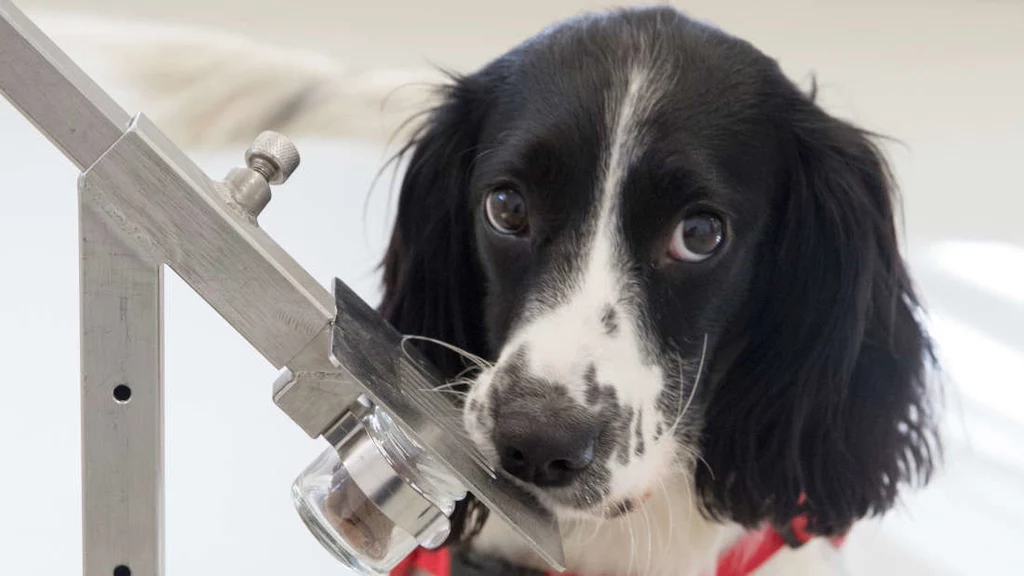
{"x":816,"y":379}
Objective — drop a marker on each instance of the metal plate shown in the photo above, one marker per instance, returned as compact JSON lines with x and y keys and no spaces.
{"x":400,"y":380}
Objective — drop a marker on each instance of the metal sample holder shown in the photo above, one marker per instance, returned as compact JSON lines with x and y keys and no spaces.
{"x":143,"y":205}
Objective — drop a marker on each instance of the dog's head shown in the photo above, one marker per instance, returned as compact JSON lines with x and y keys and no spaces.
{"x":678,"y":264}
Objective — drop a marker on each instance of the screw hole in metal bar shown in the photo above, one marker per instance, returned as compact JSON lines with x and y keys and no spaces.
{"x":122,"y":570}
{"x":122,"y":394}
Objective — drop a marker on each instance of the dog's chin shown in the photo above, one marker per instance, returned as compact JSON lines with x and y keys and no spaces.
{"x":606,"y":510}
{"x":567,"y":504}
{"x":570,"y":503}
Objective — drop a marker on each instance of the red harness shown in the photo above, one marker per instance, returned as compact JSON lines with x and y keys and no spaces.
{"x":742,"y":559}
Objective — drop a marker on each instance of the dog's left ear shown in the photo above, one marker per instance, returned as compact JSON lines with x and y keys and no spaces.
{"x":825,"y":410}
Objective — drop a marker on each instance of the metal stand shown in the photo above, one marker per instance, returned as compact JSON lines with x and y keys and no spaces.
{"x":122,"y":404}
{"x":144,"y":204}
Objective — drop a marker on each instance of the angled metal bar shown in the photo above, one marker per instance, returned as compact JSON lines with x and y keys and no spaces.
{"x":169,"y":208}
{"x":54,"y":93}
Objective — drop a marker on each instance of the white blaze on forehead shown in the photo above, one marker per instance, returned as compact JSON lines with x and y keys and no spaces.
{"x":603,"y":281}
{"x":563,"y":343}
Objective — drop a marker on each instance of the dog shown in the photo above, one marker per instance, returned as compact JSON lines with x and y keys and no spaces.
{"x":680,"y":275}
{"x":683,"y":279}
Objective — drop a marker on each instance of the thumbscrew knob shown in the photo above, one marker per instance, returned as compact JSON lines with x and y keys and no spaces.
{"x":273,"y":156}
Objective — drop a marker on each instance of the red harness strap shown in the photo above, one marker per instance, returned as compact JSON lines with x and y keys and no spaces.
{"x":756,"y":548}
{"x":750,"y":553}
{"x":433,"y":562}
{"x":741,"y":559}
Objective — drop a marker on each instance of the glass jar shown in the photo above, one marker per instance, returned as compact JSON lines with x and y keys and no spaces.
{"x":376,"y":495}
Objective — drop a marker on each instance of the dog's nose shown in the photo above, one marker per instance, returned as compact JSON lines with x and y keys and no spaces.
{"x":545,"y":456}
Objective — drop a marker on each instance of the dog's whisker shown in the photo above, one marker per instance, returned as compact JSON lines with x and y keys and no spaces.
{"x":451,"y":385}
{"x":483,"y":364}
{"x":580,"y":525}
{"x":685,"y":469}
{"x":446,"y":389}
{"x":582,"y":536}
{"x":632,"y":542}
{"x":693,"y":389}
{"x":685,"y":462}
{"x":570,"y":529}
{"x":706,"y":465}
{"x":689,"y":509}
{"x":459,"y":393}
{"x":461,"y":376}
{"x":671,"y":515}
{"x":595,"y":532}
{"x":650,"y":536}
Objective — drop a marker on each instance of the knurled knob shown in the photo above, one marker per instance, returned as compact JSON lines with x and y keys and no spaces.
{"x":274,"y":156}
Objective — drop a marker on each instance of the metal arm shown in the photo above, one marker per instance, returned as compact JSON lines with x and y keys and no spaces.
{"x":144,"y":204}
{"x":53,"y":93}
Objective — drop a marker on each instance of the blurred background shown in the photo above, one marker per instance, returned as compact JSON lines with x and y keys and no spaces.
{"x":943,"y":78}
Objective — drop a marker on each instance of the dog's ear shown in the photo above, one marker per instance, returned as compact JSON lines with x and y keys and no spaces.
{"x":432,"y":283}
{"x":825,"y":410}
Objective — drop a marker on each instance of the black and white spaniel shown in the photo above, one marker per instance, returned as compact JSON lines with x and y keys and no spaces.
{"x":685,"y":278}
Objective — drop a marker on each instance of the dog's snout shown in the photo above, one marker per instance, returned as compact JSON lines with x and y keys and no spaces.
{"x":545,"y":456}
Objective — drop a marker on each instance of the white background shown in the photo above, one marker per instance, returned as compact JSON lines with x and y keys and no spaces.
{"x":945,"y":78}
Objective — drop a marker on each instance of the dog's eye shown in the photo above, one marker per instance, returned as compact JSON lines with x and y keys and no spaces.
{"x":506,"y":211}
{"x":696,"y":237}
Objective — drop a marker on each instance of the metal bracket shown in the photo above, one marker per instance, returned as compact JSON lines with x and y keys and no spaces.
{"x":144,"y":204}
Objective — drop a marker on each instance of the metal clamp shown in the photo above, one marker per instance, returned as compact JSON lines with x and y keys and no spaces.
{"x":144,"y":204}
